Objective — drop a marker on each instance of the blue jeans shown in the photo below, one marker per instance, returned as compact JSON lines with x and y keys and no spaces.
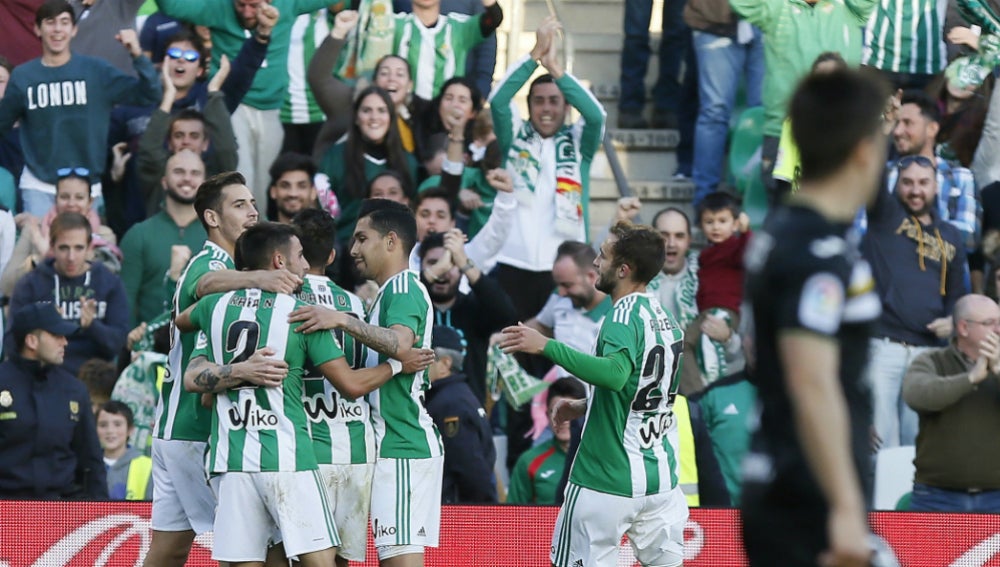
{"x":931,"y":499}
{"x":722,"y":63}
{"x":674,"y":44}
{"x":895,"y":422}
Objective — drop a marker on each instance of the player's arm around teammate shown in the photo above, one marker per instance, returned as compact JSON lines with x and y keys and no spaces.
{"x":395,"y":342}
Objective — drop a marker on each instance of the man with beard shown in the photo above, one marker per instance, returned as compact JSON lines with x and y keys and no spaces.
{"x":624,"y":478}
{"x":574,"y":313}
{"x":292,"y":187}
{"x":476,"y":315}
{"x":918,"y":260}
{"x":172,"y":234}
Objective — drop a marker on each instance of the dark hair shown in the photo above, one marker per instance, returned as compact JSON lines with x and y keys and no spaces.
{"x":187,"y":114}
{"x":831,"y":113}
{"x":430,"y":242}
{"x":69,"y":221}
{"x":187,"y":34}
{"x":115,"y":407}
{"x":318,"y":232}
{"x":209,"y":196}
{"x":923,"y":101}
{"x":540,"y":80}
{"x":5,"y":63}
{"x":566,"y":387}
{"x":291,"y":161}
{"x":355,"y":180}
{"x":74,"y":175}
{"x":435,"y":193}
{"x":258,"y":243}
{"x":432,"y":146}
{"x":582,"y":254}
{"x":98,"y":376}
{"x":640,"y":247}
{"x":718,"y":201}
{"x":388,"y":216}
{"x":962,"y":128}
{"x":384,"y":58}
{"x":661,"y":212}
{"x":828,"y":57}
{"x":407,"y":190}
{"x":53,"y":8}
{"x":437,"y":125}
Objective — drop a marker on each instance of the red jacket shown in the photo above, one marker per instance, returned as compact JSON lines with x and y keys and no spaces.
{"x":720,"y":274}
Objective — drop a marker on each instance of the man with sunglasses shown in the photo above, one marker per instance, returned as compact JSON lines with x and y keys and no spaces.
{"x":64,"y":102}
{"x":919,"y":265}
{"x":914,"y":136}
{"x":956,"y":392}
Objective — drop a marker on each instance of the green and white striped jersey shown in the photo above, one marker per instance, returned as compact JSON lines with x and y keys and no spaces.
{"x":341,"y":429}
{"x":179,"y":413}
{"x":907,"y":36}
{"x":629,"y":443}
{"x":403,"y":429}
{"x":258,"y":429}
{"x":438,"y":53}
{"x":308,"y":32}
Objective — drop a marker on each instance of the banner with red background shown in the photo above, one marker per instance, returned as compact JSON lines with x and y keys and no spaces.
{"x":97,"y":534}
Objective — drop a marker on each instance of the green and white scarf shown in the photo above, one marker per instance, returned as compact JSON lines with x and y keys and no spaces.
{"x":368,"y":42}
{"x":683,"y":304}
{"x":524,"y":158}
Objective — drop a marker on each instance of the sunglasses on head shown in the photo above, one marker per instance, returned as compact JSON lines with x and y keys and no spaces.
{"x":919,"y":160}
{"x":77,"y":171}
{"x":185,"y":54}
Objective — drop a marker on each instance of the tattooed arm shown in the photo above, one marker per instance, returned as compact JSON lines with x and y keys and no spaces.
{"x":393,"y":342}
{"x":261,"y":370}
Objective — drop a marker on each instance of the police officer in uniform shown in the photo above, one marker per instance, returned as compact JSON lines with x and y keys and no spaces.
{"x":469,"y":453}
{"x":48,"y":440}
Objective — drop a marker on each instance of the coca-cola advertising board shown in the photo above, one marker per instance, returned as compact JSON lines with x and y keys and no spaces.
{"x":85,"y":534}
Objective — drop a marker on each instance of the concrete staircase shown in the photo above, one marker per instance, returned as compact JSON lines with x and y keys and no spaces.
{"x":594,"y":29}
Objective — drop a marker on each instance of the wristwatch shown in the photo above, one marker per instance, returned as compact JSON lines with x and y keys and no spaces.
{"x":469,"y":264}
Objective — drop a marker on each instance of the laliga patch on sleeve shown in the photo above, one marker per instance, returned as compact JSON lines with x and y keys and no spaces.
{"x":216,"y":265}
{"x":821,"y":304}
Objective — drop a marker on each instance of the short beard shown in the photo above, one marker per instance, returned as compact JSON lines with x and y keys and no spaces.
{"x":605,"y":284}
{"x":173,"y":195}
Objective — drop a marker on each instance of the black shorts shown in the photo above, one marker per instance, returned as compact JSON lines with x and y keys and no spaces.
{"x":778,"y":530}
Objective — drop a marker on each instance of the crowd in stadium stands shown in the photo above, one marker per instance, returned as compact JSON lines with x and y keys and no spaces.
{"x":107,"y":133}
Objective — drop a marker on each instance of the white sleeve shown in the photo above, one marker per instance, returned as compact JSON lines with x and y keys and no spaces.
{"x":547,"y":316}
{"x":484,"y":248}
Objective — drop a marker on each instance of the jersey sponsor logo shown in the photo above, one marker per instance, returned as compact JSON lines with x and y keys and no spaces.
{"x":62,"y":93}
{"x":382,"y":530}
{"x":252,"y":417}
{"x":652,"y":431}
{"x":821,"y":304}
{"x":319,"y":408}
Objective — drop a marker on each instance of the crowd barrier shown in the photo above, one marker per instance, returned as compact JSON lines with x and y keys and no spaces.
{"x":89,"y":534}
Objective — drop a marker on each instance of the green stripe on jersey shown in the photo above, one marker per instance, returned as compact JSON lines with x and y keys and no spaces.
{"x":258,"y":429}
{"x":341,"y":429}
{"x":441,"y":49}
{"x":179,"y":413}
{"x":403,"y":429}
{"x":629,"y":442}
{"x":308,"y":32}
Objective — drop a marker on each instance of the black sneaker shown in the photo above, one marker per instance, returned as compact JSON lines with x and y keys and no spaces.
{"x":631,"y":120}
{"x":664,"y":120}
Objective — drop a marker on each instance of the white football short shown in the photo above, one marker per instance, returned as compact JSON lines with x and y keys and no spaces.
{"x":182,"y":497}
{"x":253,"y":507}
{"x":590,"y":526}
{"x":349,"y":488}
{"x":406,"y":506}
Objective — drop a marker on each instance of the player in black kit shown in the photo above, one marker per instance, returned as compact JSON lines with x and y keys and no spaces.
{"x":814,"y":302}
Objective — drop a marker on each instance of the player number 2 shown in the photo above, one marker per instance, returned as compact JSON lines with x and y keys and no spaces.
{"x":241,"y":338}
{"x":648,"y":397}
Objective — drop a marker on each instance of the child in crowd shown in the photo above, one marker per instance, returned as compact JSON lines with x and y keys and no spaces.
{"x":720,"y":286}
{"x":99,"y":377}
{"x":129,"y":471}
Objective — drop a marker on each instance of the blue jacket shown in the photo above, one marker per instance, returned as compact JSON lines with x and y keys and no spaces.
{"x":106,"y":335}
{"x":48,"y":439}
{"x":469,"y":453}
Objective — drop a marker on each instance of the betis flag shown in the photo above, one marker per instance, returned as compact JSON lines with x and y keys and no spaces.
{"x":503,"y":372}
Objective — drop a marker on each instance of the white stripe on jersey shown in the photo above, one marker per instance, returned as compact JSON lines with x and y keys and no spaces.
{"x":221,"y":401}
